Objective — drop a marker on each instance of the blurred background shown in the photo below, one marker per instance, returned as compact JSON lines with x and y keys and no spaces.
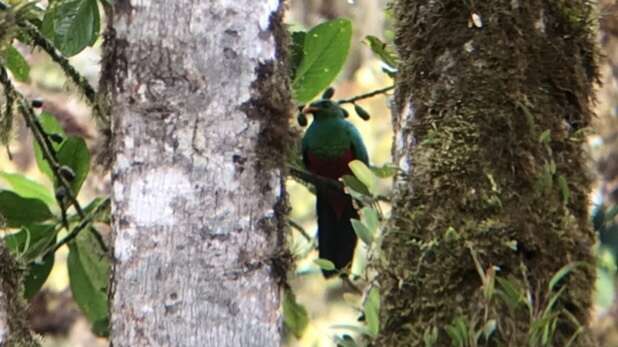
{"x":330,"y":303}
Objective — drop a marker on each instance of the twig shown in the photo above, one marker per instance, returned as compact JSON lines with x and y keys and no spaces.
{"x":40,"y":137}
{"x":86,"y":221}
{"x":315,"y":179}
{"x":300,"y":229}
{"x":366,"y":95}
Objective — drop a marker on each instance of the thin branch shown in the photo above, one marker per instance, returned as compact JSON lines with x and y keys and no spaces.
{"x":366,"y":95}
{"x":86,"y":221}
{"x":315,"y":180}
{"x":41,"y":138}
{"x":300,"y":229}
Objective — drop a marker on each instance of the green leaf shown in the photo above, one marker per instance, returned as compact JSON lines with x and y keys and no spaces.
{"x":16,"y":63}
{"x":296,"y":51}
{"x":383,"y":51}
{"x":72,"y":25}
{"x":16,"y":211}
{"x":355,"y":184}
{"x":74,"y":154}
{"x":295,"y":315}
{"x":362,"y":232}
{"x":325,"y":264}
{"x":372,"y":311}
{"x":88,"y":275}
{"x":28,"y":188}
{"x":370,"y":218}
{"x":29,"y":244}
{"x":362,"y":172}
{"x":385,"y":171}
{"x":564,"y":189}
{"x":50,"y":125}
{"x":545,"y":136}
{"x":430,"y":336}
{"x":565,"y":270}
{"x":325,"y":50}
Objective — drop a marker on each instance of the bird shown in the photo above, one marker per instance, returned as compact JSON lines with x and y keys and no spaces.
{"x":329,"y":144}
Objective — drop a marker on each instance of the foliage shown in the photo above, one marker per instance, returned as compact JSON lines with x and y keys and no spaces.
{"x":317,"y":57}
{"x":37,"y":221}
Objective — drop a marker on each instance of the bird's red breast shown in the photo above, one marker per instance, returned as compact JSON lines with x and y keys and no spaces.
{"x":333,"y":168}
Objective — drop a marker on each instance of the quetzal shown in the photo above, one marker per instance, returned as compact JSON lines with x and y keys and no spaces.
{"x":329,"y":144}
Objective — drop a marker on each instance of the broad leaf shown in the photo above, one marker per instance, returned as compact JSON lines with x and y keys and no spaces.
{"x":385,"y":171}
{"x":16,"y":211}
{"x":72,"y":25}
{"x":325,"y":50}
{"x":74,"y":154}
{"x":353,"y":183}
{"x":88,"y":274}
{"x":16,"y":63}
{"x":369,"y":216}
{"x":362,"y":232}
{"x":296,"y":51}
{"x":325,"y":264}
{"x":362,"y":172}
{"x":28,"y":188}
{"x":295,"y":315}
{"x":29,"y":244}
{"x":50,"y":125}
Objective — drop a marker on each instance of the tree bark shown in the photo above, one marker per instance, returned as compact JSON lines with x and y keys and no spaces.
{"x":13,"y":327}
{"x":200,"y":123}
{"x":491,"y":100}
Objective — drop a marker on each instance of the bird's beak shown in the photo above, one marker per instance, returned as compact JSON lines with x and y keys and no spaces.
{"x":310,"y":110}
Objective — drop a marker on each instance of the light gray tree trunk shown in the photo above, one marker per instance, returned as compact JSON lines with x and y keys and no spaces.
{"x":200,"y":122}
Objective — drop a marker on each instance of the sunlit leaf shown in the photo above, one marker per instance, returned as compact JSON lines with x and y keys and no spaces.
{"x":28,"y":188}
{"x":295,"y":315}
{"x":325,"y":50}
{"x":381,"y":49}
{"x":361,"y":231}
{"x":364,"y":174}
{"x":16,"y":63}
{"x":325,"y":264}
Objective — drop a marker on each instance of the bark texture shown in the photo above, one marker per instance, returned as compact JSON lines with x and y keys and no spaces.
{"x":492,"y":101}
{"x":13,"y":327}
{"x":200,"y":123}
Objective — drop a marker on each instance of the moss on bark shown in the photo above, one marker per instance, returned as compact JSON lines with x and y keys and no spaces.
{"x":492,"y":101}
{"x":10,"y":285}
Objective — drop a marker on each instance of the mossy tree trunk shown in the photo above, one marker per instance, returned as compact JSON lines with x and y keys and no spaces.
{"x":13,"y":327}
{"x":492,"y":101}
{"x":200,"y":122}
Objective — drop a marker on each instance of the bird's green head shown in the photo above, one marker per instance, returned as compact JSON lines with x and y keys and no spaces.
{"x":324,"y":109}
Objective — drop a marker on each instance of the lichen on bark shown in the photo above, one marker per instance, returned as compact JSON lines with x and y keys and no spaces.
{"x":492,"y":102}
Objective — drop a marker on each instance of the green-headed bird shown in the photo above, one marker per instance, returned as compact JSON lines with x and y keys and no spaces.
{"x":329,"y":144}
